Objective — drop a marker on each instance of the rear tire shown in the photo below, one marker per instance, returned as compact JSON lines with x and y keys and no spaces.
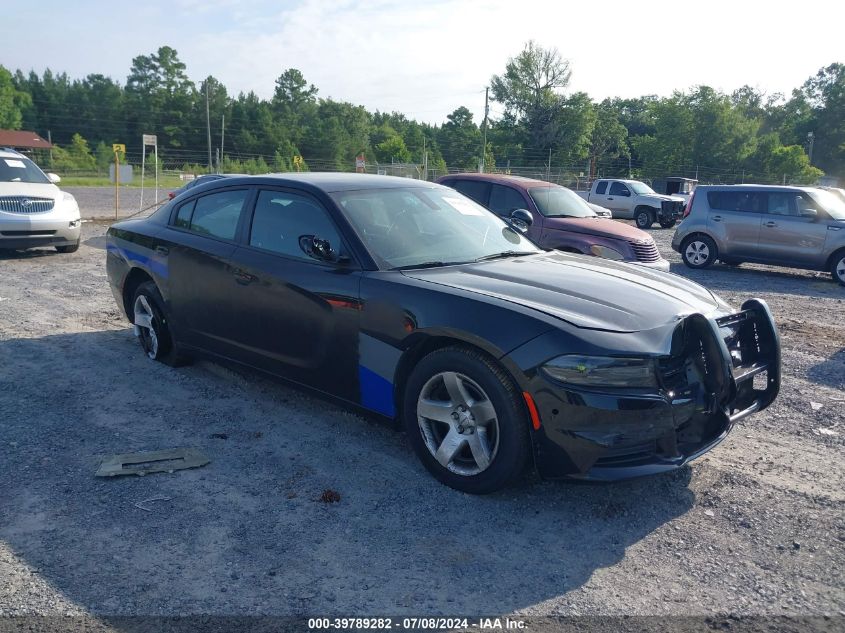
{"x":70,"y":248}
{"x":699,"y":251}
{"x":837,"y":268}
{"x":152,"y":326}
{"x":644,"y":218}
{"x":475,"y":436}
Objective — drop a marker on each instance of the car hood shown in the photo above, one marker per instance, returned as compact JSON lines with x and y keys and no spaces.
{"x":658,"y":197}
{"x":603,"y":227}
{"x":33,"y":189}
{"x":588,"y":292}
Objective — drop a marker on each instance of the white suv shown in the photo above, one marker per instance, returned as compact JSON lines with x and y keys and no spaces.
{"x":33,"y":210}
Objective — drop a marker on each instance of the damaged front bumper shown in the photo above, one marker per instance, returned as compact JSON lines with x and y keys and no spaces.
{"x":718,"y":372}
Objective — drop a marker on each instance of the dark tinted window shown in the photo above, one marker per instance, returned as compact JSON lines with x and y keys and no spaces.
{"x":602,"y":187}
{"x":618,"y":189}
{"x":750,"y":201}
{"x":503,"y":200}
{"x":183,"y":216}
{"x":475,"y":189}
{"x":281,"y":218}
{"x":217,"y":214}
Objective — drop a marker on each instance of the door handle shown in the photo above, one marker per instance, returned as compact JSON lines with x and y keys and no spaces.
{"x":833,"y":228}
{"x":243,"y":277}
{"x":770,"y":224}
{"x":162,"y":250}
{"x":716,"y":218}
{"x":610,"y":198}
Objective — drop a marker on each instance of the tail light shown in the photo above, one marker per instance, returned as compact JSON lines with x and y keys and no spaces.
{"x":688,"y":208}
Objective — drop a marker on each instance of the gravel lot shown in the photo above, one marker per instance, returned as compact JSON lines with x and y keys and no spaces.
{"x":756,"y":527}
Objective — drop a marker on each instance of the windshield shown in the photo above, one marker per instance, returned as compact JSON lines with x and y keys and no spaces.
{"x":555,"y":201}
{"x":405,"y":228}
{"x":20,"y":169}
{"x":640,"y":188}
{"x":831,"y":203}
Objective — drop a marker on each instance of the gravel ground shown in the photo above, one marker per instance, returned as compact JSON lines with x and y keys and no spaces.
{"x":756,"y":527}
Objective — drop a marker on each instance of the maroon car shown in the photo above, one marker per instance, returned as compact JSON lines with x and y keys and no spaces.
{"x":562,"y":219}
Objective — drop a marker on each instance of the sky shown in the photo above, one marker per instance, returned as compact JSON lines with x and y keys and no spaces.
{"x":425,"y":59}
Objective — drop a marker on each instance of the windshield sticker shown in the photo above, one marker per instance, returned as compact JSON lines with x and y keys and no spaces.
{"x":15,"y":163}
{"x":463,"y":206}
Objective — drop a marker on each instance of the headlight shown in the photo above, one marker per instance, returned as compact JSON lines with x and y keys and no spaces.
{"x":606,"y":252}
{"x":602,"y":371}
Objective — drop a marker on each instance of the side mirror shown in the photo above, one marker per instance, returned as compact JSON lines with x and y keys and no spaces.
{"x":320,"y":249}
{"x":54,"y":178}
{"x":808,"y":213}
{"x":521,"y":219}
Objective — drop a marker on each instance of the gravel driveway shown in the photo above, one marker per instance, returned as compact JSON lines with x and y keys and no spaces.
{"x":756,"y":527}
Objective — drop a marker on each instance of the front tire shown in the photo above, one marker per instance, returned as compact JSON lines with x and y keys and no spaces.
{"x":668,"y":224}
{"x":70,"y":248}
{"x":152,"y":326}
{"x":466,"y":420}
{"x":837,"y":268}
{"x":644,"y":219}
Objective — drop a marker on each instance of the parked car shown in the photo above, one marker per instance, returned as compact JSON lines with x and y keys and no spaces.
{"x":199,"y":180}
{"x":561,"y":220}
{"x":635,"y":200}
{"x":839,"y":192}
{"x":800,"y":227}
{"x":33,"y":210}
{"x":675,"y":186}
{"x":600,"y":212}
{"x":407,"y":300}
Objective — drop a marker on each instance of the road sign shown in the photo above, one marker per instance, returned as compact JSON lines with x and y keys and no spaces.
{"x":297,"y":160}
{"x":119,"y":147}
{"x":360,"y":163}
{"x":149,"y":139}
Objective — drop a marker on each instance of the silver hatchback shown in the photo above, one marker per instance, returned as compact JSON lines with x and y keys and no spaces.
{"x":800,"y":227}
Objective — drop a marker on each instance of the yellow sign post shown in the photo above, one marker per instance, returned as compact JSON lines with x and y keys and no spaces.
{"x":117,"y":148}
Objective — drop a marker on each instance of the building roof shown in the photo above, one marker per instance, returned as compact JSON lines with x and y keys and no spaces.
{"x":22,"y":138}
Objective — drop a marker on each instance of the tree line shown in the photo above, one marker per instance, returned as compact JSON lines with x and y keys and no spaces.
{"x":539,"y":128}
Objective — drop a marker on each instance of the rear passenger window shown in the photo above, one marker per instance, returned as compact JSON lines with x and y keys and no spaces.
{"x":602,"y":187}
{"x":503,"y":200}
{"x":217,"y":214}
{"x":183,"y":216}
{"x":475,"y":189}
{"x":281,"y":218}
{"x":748,"y":201}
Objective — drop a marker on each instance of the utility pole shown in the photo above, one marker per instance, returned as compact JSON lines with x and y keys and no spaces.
{"x":549,"y":166}
{"x":208,"y":125}
{"x":50,"y":141}
{"x":222,"y":138}
{"x":811,"y":138}
{"x":484,"y":125}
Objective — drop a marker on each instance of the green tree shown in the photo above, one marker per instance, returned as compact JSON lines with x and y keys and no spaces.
{"x":12,"y":102}
{"x":459,"y":140}
{"x":161,"y":98}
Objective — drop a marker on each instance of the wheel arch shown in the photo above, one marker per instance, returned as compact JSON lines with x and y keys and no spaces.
{"x":839,"y":252}
{"x":430,"y":342}
{"x":652,"y":210}
{"x":135,"y":278}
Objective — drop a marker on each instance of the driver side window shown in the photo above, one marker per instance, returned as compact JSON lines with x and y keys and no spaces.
{"x":504,"y":200}
{"x":618,"y":189}
{"x":281,"y":218}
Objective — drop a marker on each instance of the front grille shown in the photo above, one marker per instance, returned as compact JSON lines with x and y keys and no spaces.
{"x":671,"y":207}
{"x":645,"y":250}
{"x":26,"y":233}
{"x":25,"y":204}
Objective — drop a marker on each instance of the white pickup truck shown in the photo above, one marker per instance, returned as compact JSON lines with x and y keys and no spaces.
{"x":632,"y":199}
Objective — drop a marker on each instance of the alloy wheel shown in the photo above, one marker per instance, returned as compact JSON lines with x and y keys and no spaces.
{"x":145,"y":326}
{"x":458,"y":423}
{"x":840,"y":270}
{"x":697,"y":253}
